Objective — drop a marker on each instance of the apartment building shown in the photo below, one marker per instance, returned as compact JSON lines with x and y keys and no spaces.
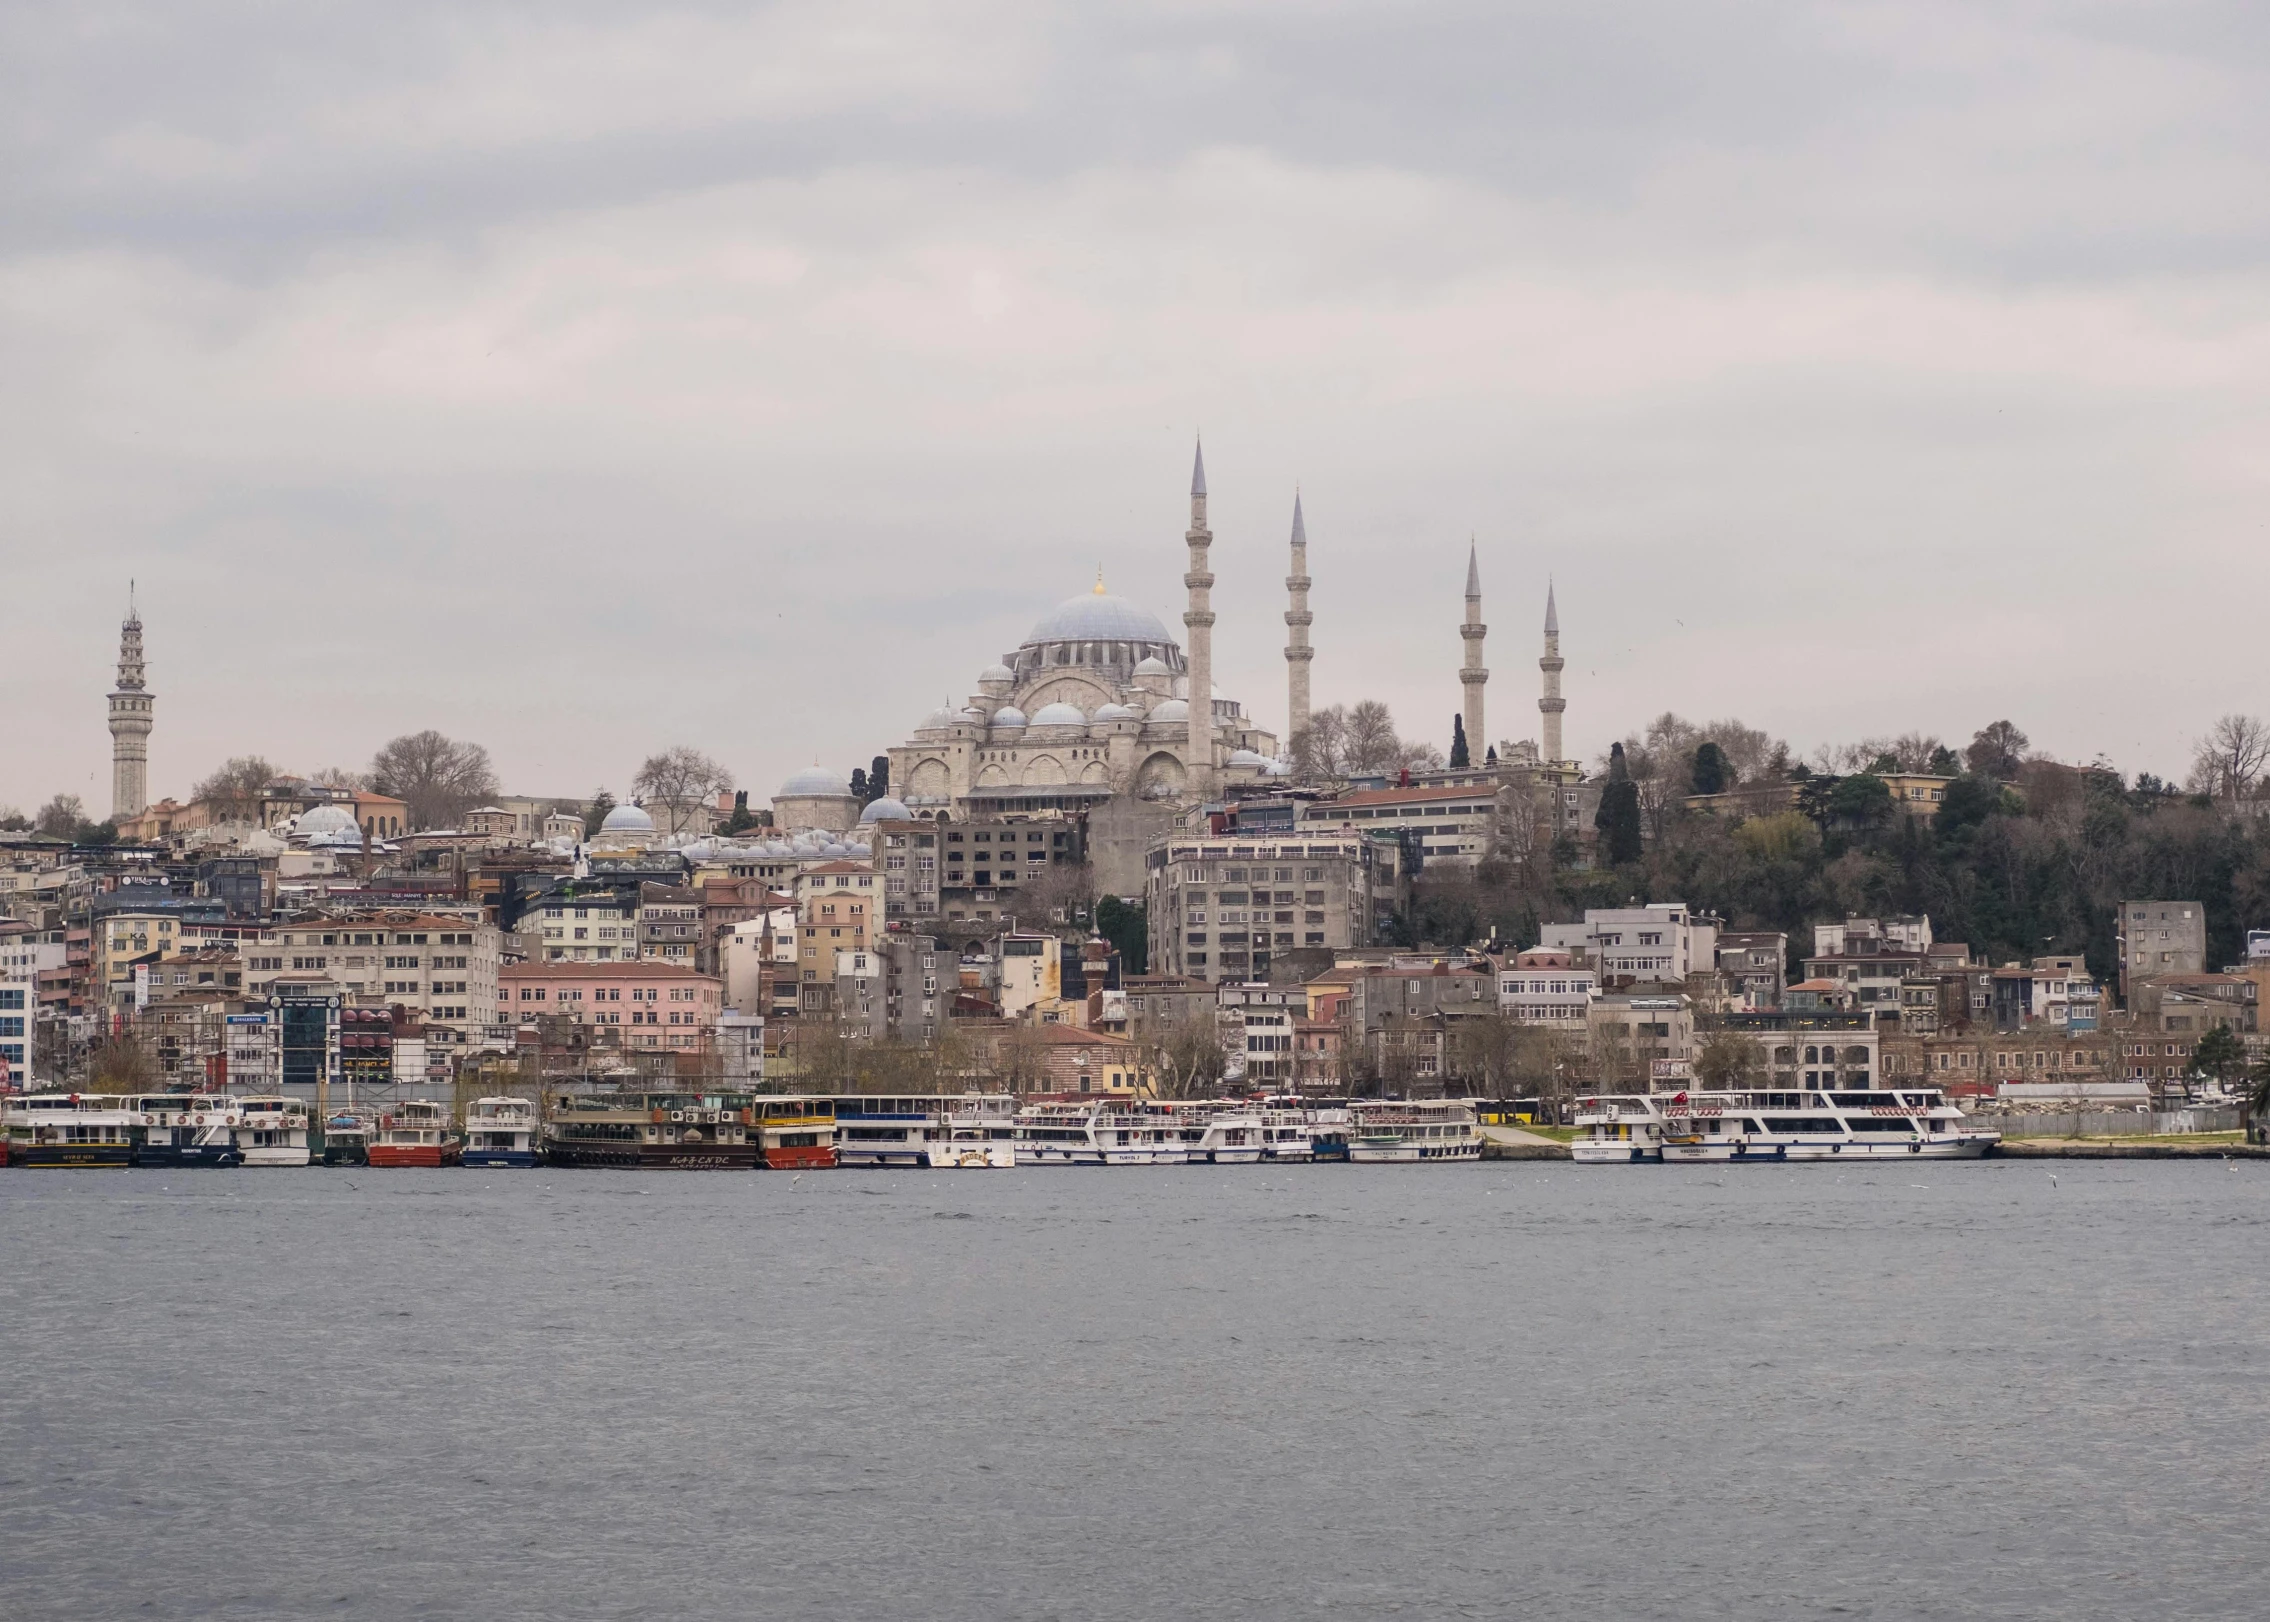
{"x":642,"y":1004}
{"x":2159,"y":937}
{"x":1661,"y":942}
{"x":441,"y":967}
{"x":1546,"y":986}
{"x":1224,"y":909}
{"x":959,"y":877}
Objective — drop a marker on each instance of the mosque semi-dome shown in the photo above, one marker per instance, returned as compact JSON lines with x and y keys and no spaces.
{"x":999,"y":673}
{"x":886,"y":809}
{"x":1115,"y":712}
{"x":1172,"y":709}
{"x":1059,"y":715}
{"x":811,"y":781}
{"x":1008,"y":715}
{"x":1154,"y":666}
{"x":627,"y":819}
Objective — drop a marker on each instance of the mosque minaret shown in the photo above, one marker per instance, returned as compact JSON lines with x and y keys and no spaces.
{"x":1549,"y":707}
{"x":1472,"y":676}
{"x":131,"y":716}
{"x":1298,"y":653}
{"x":1198,"y":620}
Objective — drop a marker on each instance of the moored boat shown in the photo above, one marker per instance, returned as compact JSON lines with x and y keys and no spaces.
{"x":1733,"y":1128}
{"x":795,"y":1133}
{"x":346,"y":1139}
{"x":69,"y":1130}
{"x":272,"y":1131}
{"x":1141,"y":1137}
{"x":1618,"y":1129}
{"x":499,"y":1132}
{"x":415,"y":1132}
{"x":1232,"y":1136}
{"x":1057,"y":1134}
{"x":1398,"y":1131}
{"x":899,"y":1130}
{"x":971,"y":1146}
{"x":651,"y":1131}
{"x":186,"y":1129}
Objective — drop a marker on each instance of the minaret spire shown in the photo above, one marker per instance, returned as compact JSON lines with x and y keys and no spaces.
{"x":1549,"y":707}
{"x":1198,"y":621}
{"x":131,"y":717}
{"x":1297,"y":620}
{"x":1472,"y":676}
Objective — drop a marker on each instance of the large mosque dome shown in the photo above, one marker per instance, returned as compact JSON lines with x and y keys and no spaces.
{"x":1096,"y":616}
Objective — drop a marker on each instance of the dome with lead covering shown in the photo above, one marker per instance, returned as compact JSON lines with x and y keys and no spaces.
{"x":814,"y":780}
{"x":1096,"y":616}
{"x":1059,"y":715}
{"x":1115,"y":712}
{"x":886,"y":809}
{"x":1173,"y":709}
{"x":627,"y":819}
{"x":1153,"y":667}
{"x":1246,"y":758}
{"x":1008,"y":715}
{"x":326,"y":820}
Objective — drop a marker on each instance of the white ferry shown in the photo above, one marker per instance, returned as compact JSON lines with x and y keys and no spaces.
{"x":880,"y":1130}
{"x":70,"y":1129}
{"x":1401,"y":1130}
{"x":1058,"y":1135}
{"x":973,"y":1146}
{"x":1619,"y":1129}
{"x":272,"y":1131}
{"x":1723,"y":1128}
{"x":1141,"y":1137}
{"x":1232,"y":1137}
{"x":1295,"y":1132}
{"x":499,"y":1132}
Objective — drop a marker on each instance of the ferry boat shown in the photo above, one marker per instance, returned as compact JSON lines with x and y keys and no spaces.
{"x":1141,"y":1137}
{"x":1395,"y":1131}
{"x":70,"y":1129}
{"x":1618,"y":1129}
{"x":186,"y":1129}
{"x":416,"y":1132}
{"x":651,"y":1131}
{"x":972,"y":1147}
{"x":795,"y":1133}
{"x":500,"y":1132}
{"x":878,"y":1130}
{"x":1739,"y":1127}
{"x":346,"y":1139}
{"x":1294,"y":1132}
{"x":1057,"y":1135}
{"x":272,"y":1131}
{"x":1232,"y":1137}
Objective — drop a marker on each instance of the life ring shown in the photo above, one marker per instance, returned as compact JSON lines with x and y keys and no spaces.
{"x":200,"y":1120}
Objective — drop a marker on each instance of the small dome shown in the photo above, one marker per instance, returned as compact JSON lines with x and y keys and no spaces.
{"x":627,"y":819}
{"x":1173,"y":709}
{"x":1114,"y":712}
{"x":1246,"y":757}
{"x":1153,"y":666}
{"x":1059,"y":715}
{"x":995,"y":673}
{"x":325,"y":819}
{"x":888,"y":809}
{"x":813,"y":780}
{"x":938,"y":721}
{"x":1008,"y":715}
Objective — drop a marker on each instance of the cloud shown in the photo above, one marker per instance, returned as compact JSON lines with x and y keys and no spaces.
{"x":584,"y":382}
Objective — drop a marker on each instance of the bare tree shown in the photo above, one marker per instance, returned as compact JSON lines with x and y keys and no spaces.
{"x":1320,"y":749}
{"x":232,"y":794}
{"x":1726,"y":1061}
{"x":1183,"y":1058}
{"x":1914,"y":751}
{"x":1485,"y":1052}
{"x":1372,"y":744}
{"x":1020,"y":1059}
{"x":1996,"y":750}
{"x":2229,"y":760}
{"x":684,"y":783}
{"x":124,"y":1064}
{"x":341,"y":777}
{"x":1062,"y":894}
{"x":438,"y":778}
{"x":61,"y":817}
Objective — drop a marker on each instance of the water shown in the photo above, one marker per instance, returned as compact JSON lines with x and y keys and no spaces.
{"x":1915,"y":1391}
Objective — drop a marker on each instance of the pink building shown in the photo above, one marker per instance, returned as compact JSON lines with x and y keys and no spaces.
{"x":639,"y":1004}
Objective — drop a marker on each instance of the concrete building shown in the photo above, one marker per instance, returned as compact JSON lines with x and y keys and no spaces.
{"x":1225,"y":908}
{"x":1544,"y":986}
{"x":964,"y":880}
{"x":1450,"y":822}
{"x":1662,"y":942}
{"x":2157,"y":938}
{"x":670,"y":923}
{"x":1812,"y":1051}
{"x":1638,"y":1040}
{"x":1753,"y":964}
{"x":636,"y":1005}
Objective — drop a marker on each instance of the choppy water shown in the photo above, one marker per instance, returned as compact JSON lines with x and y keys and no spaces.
{"x":1949,"y":1390}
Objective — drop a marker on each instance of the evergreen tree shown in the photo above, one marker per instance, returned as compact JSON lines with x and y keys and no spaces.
{"x":879,"y":777}
{"x":1711,"y":774}
{"x":1127,"y":926}
{"x":1459,"y":756}
{"x":859,"y":786}
{"x":1617,"y":821}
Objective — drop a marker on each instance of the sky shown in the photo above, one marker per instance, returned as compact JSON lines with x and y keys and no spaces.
{"x":585,"y":379}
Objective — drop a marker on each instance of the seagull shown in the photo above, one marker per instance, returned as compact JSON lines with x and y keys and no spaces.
{"x":793,"y":1181}
{"x":2053,"y":1179}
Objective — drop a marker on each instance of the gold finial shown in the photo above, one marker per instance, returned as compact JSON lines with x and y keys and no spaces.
{"x":1099,"y":581}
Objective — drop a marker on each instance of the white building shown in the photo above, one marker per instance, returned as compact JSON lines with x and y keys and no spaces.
{"x":1543,"y":987}
{"x":1660,"y":941}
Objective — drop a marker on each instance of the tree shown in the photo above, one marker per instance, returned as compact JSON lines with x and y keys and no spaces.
{"x":2229,"y":760}
{"x":2257,"y":1101}
{"x":1372,"y":744}
{"x":13,"y":821}
{"x":1617,"y":820}
{"x":859,"y":786}
{"x":1485,"y":1052}
{"x":1183,"y":1057}
{"x":1726,"y":1062}
{"x":2219,"y":1056}
{"x":878,"y":777}
{"x":438,"y":778}
{"x":1944,"y":762}
{"x":124,"y":1064}
{"x":595,"y":813}
{"x":1996,"y":751}
{"x":1126,"y":925}
{"x":742,"y":817}
{"x":1861,"y":800}
{"x":232,"y":794}
{"x":1062,"y":893}
{"x":684,"y":782}
{"x":61,"y":817}
{"x":340,"y":777}
{"x":1459,"y":757}
{"x":1710,"y":774}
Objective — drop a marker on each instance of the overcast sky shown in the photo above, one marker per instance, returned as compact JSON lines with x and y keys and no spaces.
{"x":586,"y":379}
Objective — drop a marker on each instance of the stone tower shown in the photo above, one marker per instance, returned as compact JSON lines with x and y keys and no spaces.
{"x":130,"y":719}
{"x":1198,"y":650}
{"x":1297,"y":621}
{"x":1551,"y":705}
{"x":1473,"y":677}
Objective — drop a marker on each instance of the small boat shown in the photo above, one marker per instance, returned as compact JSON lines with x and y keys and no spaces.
{"x":70,"y":1129}
{"x":272,"y":1131}
{"x":346,"y":1139}
{"x":500,"y":1132}
{"x":1620,"y":1129}
{"x":416,"y":1132}
{"x":1390,"y":1131}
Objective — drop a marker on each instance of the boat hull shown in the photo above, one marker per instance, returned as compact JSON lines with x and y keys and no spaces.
{"x":498,"y":1158}
{"x":72,"y":1156}
{"x":1410,"y":1154}
{"x":187,"y":1156}
{"x":1758,"y":1154}
{"x":412,"y":1154}
{"x":653,"y":1156}
{"x":972,"y":1157}
{"x":278,"y":1155}
{"x":1614,"y":1154}
{"x":796,"y":1157}
{"x":1057,"y":1155}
